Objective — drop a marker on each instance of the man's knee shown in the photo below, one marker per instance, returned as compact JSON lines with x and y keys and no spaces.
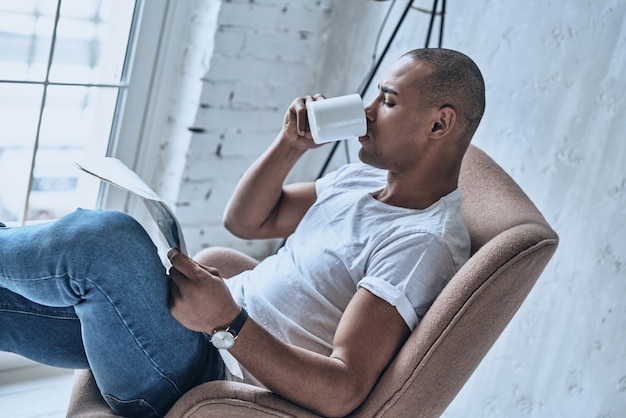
{"x":91,"y":229}
{"x":87,"y":221}
{"x":227,"y":261}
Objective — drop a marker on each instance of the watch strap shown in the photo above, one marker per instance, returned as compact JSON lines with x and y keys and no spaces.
{"x":238,"y":322}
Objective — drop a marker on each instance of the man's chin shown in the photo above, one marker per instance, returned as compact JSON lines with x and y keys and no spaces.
{"x":363,"y":156}
{"x":367,"y":159}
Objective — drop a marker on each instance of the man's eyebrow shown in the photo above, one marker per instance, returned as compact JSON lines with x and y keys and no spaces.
{"x":387,"y":90}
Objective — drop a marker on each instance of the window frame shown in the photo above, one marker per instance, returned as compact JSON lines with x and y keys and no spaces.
{"x":136,"y":111}
{"x":143,"y":118}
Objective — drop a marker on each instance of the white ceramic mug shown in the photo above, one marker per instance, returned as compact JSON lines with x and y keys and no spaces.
{"x":337,"y":118}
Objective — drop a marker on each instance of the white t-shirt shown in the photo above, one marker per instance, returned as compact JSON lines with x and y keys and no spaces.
{"x":347,"y":240}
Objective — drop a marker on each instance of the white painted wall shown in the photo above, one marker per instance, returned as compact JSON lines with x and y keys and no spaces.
{"x":555,"y":76}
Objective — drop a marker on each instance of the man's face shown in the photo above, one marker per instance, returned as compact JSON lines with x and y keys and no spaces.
{"x":396,"y":123}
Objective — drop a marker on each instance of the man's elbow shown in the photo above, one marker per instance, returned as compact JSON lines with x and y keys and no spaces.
{"x":344,"y":400}
{"x":234,"y":227}
{"x":240,"y":229}
{"x":339,"y":410}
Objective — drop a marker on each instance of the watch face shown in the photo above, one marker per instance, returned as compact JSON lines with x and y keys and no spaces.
{"x":223,"y":340}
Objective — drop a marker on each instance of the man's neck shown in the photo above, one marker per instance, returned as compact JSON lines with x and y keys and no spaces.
{"x":416,"y":192}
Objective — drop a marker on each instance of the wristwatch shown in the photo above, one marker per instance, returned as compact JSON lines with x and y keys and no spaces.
{"x":225,"y":339}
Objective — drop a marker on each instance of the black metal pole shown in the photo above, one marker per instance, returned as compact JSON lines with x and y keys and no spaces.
{"x":369,"y":79}
{"x":443,"y":15}
{"x":432,"y":21}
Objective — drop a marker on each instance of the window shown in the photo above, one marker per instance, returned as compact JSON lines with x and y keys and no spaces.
{"x":38,"y":178}
{"x":65,"y":74}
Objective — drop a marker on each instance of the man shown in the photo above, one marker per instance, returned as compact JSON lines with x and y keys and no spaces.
{"x":369,"y":248}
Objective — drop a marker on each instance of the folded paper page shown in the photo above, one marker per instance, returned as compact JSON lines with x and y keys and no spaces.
{"x":113,"y":171}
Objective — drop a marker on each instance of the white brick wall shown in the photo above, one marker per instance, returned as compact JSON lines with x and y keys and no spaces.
{"x":264,"y":56}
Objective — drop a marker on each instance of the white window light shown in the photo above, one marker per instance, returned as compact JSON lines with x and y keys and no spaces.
{"x":74,"y":78}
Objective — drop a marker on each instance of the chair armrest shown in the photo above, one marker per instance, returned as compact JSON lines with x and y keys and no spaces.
{"x":211,"y":399}
{"x":234,"y":399}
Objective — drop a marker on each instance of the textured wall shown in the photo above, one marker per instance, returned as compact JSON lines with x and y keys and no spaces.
{"x":264,"y":55}
{"x":556,"y":81}
{"x":555,"y":76}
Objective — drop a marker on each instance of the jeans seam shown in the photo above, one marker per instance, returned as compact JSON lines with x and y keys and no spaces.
{"x":122,"y":402}
{"x":24,"y":312}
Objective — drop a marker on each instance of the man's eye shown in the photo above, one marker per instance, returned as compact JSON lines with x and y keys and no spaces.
{"x":388,"y":103}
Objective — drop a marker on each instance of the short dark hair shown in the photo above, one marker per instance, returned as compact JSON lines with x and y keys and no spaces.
{"x":456,"y":81}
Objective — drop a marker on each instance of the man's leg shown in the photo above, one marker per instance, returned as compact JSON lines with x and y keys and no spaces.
{"x":104,"y":266}
{"x":45,"y":334}
{"x":227,"y":261}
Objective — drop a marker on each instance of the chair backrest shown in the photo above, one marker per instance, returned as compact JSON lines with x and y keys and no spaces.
{"x":511,"y":245}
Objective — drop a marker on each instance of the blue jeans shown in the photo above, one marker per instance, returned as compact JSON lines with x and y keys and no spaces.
{"x":90,"y":291}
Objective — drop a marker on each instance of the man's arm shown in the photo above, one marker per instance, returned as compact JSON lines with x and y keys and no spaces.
{"x":261,"y":207}
{"x":370,"y":333}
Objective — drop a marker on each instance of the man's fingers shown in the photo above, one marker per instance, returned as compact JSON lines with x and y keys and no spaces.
{"x":301,"y":116}
{"x":176,"y":276}
{"x":174,"y":291}
{"x":173,"y":254}
{"x":188,"y":267}
{"x":183,"y":264}
{"x":298,"y":107}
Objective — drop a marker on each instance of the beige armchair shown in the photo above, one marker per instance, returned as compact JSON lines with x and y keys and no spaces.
{"x":511,"y":245}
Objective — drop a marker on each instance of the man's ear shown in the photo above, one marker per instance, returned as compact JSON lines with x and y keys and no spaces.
{"x":443,"y":123}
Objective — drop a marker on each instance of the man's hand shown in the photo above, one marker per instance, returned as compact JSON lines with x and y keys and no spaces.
{"x":200,"y":299}
{"x":296,"y":128}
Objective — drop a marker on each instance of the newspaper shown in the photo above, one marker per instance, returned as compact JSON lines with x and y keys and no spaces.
{"x":112,"y":170}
